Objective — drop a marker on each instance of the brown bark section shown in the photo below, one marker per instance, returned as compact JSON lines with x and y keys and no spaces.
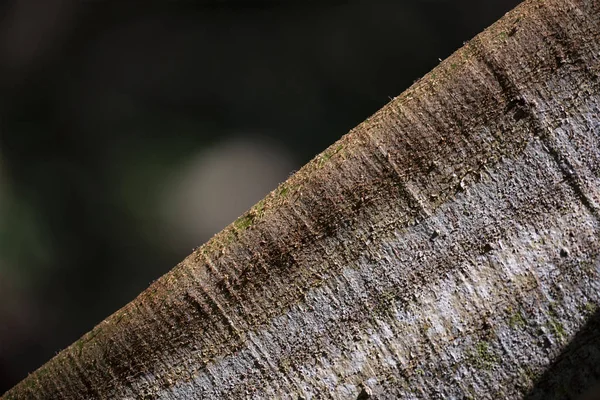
{"x":447,"y":246}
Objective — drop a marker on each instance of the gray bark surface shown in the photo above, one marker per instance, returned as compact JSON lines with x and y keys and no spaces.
{"x":447,"y":247}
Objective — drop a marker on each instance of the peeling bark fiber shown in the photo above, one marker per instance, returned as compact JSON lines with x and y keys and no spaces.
{"x":447,"y":247}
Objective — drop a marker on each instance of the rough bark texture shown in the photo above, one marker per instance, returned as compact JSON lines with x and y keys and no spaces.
{"x":447,"y":248}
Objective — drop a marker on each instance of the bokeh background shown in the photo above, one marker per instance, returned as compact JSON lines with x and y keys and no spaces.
{"x":131,"y":132}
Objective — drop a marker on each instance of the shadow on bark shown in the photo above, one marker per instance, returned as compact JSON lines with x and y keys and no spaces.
{"x":576,"y":372}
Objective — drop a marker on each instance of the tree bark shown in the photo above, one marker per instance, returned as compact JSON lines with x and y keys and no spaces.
{"x":447,"y":247}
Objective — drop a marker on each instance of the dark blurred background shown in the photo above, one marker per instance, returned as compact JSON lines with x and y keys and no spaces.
{"x":131,"y":132}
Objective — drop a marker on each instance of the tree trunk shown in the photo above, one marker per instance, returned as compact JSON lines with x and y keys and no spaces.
{"x":447,"y":247}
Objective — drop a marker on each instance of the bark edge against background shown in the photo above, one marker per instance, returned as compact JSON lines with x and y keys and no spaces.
{"x":446,"y":247}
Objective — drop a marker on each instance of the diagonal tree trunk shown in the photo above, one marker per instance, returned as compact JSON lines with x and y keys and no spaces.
{"x":447,"y":247}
